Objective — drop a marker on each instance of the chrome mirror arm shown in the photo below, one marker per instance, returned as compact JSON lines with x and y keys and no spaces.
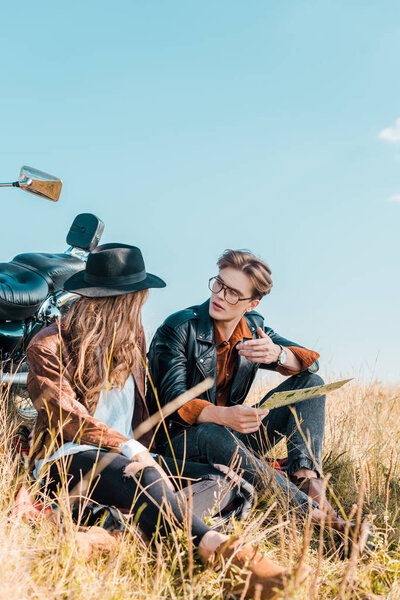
{"x":21,"y":184}
{"x":14,"y":184}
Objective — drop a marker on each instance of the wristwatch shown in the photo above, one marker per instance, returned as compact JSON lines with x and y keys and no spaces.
{"x":282,"y":357}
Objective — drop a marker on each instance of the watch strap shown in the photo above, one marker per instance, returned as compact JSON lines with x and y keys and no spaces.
{"x":279,"y":358}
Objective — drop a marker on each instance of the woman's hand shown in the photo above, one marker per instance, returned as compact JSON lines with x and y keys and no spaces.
{"x":144,"y":459}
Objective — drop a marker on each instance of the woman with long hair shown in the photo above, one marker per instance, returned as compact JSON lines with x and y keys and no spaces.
{"x":86,"y":380}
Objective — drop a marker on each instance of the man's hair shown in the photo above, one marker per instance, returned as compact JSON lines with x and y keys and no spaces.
{"x":258,"y":271}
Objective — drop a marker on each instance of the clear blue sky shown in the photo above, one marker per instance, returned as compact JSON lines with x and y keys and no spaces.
{"x":191,"y":127}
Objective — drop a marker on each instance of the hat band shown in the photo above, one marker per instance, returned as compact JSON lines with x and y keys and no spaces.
{"x":111,"y":281}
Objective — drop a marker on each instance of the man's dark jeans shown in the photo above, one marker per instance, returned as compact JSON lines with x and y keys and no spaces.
{"x":213,"y":443}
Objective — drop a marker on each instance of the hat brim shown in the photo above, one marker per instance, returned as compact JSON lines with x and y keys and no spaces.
{"x":78,"y":285}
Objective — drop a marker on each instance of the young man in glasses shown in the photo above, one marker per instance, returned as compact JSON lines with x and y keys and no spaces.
{"x":227,"y":340}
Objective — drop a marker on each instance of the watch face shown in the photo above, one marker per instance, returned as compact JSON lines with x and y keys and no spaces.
{"x":282,"y":357}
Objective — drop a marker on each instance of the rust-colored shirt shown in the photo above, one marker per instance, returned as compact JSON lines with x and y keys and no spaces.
{"x":227,"y":358}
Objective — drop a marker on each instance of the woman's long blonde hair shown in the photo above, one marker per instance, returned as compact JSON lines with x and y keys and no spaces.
{"x":105,"y":335}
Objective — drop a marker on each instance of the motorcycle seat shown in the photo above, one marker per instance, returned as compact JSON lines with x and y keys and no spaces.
{"x":54,"y":268}
{"x":21,"y":292}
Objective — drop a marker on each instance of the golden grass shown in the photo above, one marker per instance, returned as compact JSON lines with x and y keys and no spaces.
{"x":362,"y":451}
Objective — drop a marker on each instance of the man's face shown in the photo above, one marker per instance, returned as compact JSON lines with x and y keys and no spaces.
{"x":239,"y":282}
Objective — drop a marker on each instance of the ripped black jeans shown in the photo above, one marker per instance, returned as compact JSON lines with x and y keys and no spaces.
{"x":100,"y":476}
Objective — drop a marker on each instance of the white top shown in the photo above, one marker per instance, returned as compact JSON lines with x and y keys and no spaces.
{"x":115,"y":409}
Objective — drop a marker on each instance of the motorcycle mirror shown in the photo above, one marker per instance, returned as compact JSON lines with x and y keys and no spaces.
{"x":38,"y":183}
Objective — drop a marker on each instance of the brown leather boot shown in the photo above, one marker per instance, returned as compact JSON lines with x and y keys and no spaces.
{"x":314,"y":488}
{"x":364,"y":538}
{"x":259,"y":574}
{"x":333,"y":521}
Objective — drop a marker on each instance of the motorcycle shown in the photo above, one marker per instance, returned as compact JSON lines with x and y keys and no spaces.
{"x":31,"y":294}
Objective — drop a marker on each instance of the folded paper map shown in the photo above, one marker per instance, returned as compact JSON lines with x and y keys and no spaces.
{"x":291,"y":396}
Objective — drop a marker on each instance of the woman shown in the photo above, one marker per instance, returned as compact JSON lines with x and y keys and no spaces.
{"x":86,"y":379}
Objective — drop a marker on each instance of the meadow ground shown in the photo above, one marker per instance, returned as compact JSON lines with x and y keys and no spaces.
{"x":362,"y":459}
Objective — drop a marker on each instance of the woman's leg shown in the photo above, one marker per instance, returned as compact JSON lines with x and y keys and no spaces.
{"x":101,"y":477}
{"x":208,"y":488}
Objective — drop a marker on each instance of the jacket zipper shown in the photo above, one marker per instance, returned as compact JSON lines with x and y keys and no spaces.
{"x":205,"y":377}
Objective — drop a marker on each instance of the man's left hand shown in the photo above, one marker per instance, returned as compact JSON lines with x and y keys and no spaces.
{"x":262,"y":350}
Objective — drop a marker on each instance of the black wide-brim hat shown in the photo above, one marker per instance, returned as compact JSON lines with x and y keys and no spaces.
{"x":112,"y":270}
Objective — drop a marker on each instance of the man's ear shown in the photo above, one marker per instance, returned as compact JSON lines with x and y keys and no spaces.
{"x":253,"y":304}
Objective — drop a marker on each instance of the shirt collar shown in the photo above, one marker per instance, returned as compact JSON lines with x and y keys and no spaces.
{"x":241,"y":332}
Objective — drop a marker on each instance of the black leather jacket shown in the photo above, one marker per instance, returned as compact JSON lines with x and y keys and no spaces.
{"x":183,"y":353}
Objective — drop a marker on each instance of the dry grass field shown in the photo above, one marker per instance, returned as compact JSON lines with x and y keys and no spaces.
{"x":41,"y":560}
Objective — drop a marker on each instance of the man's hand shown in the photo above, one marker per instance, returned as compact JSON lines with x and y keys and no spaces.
{"x":262,"y":350}
{"x":244,"y":419}
{"x":144,"y":459}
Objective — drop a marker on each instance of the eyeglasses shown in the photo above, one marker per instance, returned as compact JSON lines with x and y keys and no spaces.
{"x":216,"y":285}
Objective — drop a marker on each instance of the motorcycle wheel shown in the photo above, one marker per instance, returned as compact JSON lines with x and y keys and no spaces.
{"x":23,"y":407}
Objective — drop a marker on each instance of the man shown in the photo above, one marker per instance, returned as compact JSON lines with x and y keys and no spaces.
{"x":226,"y":339}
